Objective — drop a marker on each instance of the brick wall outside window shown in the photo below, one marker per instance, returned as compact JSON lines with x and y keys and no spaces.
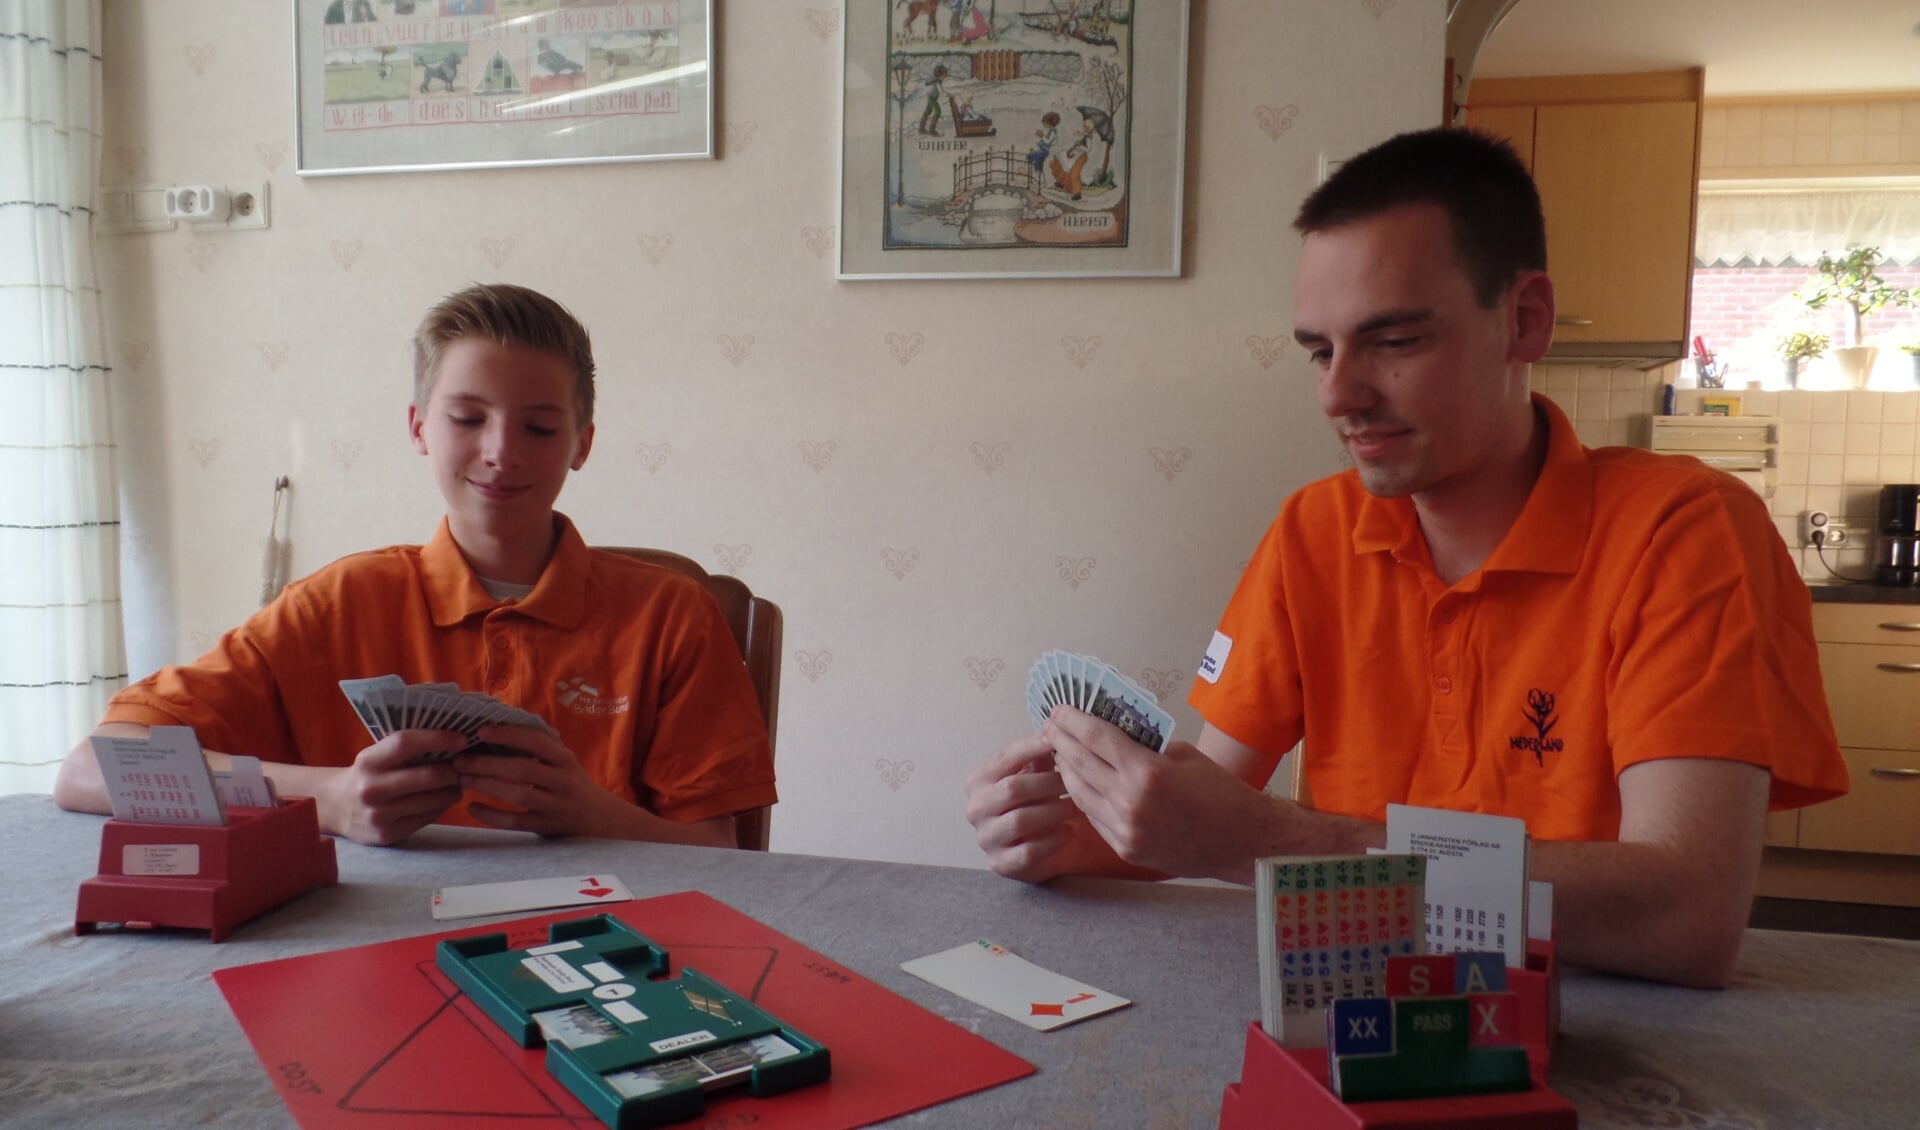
{"x":1743,"y":311}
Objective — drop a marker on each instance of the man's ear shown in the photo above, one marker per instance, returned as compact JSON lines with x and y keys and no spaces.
{"x":584,"y":445}
{"x":1533,"y":311}
{"x":416,"y":425}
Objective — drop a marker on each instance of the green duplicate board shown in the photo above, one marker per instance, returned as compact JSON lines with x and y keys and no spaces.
{"x":636,"y":1051}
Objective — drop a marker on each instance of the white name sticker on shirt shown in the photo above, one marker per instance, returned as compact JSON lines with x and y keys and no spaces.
{"x":1216,"y":657}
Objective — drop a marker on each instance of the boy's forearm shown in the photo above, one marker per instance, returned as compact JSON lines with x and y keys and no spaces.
{"x":636,"y":823}
{"x":80,"y":786}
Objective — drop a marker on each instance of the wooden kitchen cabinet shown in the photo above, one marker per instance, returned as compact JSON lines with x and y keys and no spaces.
{"x":1865,"y":846}
{"x":1616,"y":158}
{"x":1870,"y":663}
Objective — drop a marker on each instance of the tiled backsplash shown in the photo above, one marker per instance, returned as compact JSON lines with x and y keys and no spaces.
{"x":1836,"y":448}
{"x":1800,"y":136}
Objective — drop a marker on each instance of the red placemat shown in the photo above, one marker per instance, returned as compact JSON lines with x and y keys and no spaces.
{"x":375,"y":1036}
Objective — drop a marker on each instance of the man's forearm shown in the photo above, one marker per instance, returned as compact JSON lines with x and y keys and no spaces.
{"x":1293,"y":829}
{"x":1647,"y":910}
{"x":1641,"y":909}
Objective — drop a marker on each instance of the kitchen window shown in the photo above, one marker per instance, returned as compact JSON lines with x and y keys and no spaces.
{"x":1755,"y":246}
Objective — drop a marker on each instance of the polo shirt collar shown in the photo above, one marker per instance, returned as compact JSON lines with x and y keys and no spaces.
{"x":454,"y":591}
{"x":1550,"y":536}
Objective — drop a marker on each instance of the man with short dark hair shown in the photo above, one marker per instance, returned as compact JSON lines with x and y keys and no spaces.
{"x":1480,"y":615}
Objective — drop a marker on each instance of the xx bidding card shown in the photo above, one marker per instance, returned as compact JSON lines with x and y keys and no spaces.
{"x":1010,"y":985}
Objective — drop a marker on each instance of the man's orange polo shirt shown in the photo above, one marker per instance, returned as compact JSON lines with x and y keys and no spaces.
{"x":632,"y":664}
{"x":1642,"y":607}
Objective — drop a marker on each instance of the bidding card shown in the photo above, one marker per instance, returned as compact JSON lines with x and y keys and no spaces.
{"x":527,"y":894}
{"x":245,"y":785}
{"x":1010,"y":985}
{"x":159,"y":779}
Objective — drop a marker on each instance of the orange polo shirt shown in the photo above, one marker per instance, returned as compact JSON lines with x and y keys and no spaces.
{"x":1642,"y":607}
{"x":632,"y":664}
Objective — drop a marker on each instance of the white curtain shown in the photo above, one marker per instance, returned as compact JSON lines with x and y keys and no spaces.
{"x":61,"y":649}
{"x":1769,"y":227}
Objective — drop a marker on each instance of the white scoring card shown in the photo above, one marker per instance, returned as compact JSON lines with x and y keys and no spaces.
{"x":159,"y":779}
{"x":1010,"y":985}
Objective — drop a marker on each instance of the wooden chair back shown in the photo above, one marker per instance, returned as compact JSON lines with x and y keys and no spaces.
{"x":756,"y":625}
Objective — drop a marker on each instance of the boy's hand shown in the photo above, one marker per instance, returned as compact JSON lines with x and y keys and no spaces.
{"x":554,"y":794}
{"x":383,"y":797}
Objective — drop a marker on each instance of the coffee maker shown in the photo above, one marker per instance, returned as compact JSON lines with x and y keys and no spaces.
{"x":1896,"y":552}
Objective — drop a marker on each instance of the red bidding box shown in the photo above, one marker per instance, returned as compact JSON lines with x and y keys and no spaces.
{"x":1281,"y":1085}
{"x":207,"y":877}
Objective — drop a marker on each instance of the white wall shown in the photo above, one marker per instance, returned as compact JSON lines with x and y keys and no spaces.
{"x":1157,"y":464}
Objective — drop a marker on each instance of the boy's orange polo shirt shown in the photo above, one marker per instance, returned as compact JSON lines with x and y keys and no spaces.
{"x":1642,"y":607}
{"x":632,"y":664}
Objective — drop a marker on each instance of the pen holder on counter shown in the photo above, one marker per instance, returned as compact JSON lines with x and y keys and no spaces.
{"x":1288,"y":1086}
{"x":207,"y":877}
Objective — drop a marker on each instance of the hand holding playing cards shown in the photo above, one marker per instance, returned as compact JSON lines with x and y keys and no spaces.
{"x":387,"y":794}
{"x":1018,"y":813}
{"x":1177,"y":812}
{"x":541,"y":776}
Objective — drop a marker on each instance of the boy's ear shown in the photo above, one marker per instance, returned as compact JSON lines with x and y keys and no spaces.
{"x":584,"y":445}
{"x":416,"y":425}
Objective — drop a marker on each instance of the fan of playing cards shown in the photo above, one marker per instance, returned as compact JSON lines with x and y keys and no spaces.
{"x":1084,"y":683}
{"x":388,"y":703}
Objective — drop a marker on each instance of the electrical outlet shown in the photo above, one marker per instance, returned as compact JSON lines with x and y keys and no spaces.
{"x":1833,"y":530}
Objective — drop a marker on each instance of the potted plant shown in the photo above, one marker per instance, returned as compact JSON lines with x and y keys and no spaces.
{"x":1852,"y":278}
{"x":1796,"y":349}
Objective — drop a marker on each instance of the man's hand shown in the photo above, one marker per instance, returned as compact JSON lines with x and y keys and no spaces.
{"x":549,"y":786}
{"x":1179,"y":812}
{"x":382,"y":798}
{"x":1019,"y":816}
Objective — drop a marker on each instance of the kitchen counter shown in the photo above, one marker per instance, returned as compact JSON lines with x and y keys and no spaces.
{"x":1840,"y":592}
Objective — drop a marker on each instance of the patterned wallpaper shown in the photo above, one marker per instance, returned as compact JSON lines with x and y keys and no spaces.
{"x":936,"y":481}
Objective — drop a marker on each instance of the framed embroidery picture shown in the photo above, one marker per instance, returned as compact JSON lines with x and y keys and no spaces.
{"x":1012,"y":138}
{"x":413,"y":85}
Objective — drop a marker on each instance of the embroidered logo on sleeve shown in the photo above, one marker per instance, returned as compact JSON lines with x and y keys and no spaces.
{"x":1539,"y":714}
{"x":581,"y":698}
{"x":1215,"y":660}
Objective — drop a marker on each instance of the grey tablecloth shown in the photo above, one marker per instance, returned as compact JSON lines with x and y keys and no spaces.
{"x":129,"y":1030}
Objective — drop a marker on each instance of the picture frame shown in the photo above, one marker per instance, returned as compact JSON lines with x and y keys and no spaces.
{"x":387,"y":86}
{"x":1012,"y":138}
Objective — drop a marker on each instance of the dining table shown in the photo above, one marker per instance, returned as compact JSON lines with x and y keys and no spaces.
{"x":127,"y":1028}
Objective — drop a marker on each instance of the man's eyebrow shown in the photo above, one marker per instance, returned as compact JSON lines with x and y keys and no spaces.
{"x":1386,"y":319}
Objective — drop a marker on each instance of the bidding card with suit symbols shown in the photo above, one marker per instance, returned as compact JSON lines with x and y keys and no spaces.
{"x":388,"y":703}
{"x":994,"y":976}
{"x":477,"y":899}
{"x":1061,"y":678}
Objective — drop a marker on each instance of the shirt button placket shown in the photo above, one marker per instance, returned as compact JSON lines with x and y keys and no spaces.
{"x":499,"y":657}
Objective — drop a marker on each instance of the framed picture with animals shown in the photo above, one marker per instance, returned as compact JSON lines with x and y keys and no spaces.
{"x":412,"y":85}
{"x":1012,"y":138}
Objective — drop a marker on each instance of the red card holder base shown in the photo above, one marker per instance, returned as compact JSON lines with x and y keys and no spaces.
{"x":1288,"y":1086}
{"x":218,"y":876}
